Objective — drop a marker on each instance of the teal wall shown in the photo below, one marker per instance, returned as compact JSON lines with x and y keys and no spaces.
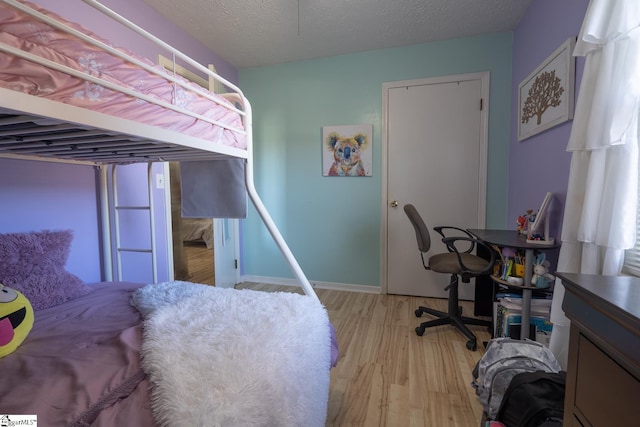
{"x":333,"y":224}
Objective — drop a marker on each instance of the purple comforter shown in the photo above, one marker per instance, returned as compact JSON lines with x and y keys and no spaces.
{"x":80,"y":365}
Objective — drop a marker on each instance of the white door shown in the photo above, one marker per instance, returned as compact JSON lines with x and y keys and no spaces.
{"x":226,"y":252}
{"x":436,"y":155}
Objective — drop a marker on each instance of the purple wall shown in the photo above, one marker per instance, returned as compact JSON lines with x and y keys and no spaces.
{"x":37,"y":195}
{"x":536,"y":165}
{"x":541,"y":163}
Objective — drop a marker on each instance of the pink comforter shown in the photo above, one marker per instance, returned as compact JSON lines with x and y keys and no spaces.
{"x":21,"y":31}
{"x":80,"y":364}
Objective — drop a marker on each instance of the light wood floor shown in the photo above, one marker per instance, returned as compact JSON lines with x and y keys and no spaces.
{"x":389,"y":376}
{"x":200,"y":264}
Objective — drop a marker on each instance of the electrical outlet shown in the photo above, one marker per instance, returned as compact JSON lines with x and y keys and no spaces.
{"x":159,"y":180}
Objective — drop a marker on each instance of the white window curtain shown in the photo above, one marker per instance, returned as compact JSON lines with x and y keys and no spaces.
{"x":602,"y":196}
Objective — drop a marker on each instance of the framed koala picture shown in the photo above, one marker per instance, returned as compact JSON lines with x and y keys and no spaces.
{"x":346,"y":150}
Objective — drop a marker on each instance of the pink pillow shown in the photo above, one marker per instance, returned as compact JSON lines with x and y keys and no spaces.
{"x":34,"y":264}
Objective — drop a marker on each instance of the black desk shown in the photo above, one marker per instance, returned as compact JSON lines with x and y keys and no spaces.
{"x":484,"y":286}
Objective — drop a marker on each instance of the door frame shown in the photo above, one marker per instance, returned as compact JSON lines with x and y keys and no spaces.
{"x":167,"y":224}
{"x":219,"y":240}
{"x":218,"y":237}
{"x":484,"y":78}
{"x":216,"y":87}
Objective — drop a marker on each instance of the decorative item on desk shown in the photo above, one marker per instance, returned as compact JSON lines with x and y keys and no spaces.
{"x":541,"y":276}
{"x":505,"y":269}
{"x":519,"y":266}
{"x":519,"y":269}
{"x":508,"y":253}
{"x":541,"y":217}
{"x":522,"y":221}
{"x":496,"y":268}
{"x":516,"y":281}
{"x":508,"y":256}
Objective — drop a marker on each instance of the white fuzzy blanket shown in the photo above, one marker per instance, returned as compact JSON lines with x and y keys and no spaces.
{"x":226,"y":357}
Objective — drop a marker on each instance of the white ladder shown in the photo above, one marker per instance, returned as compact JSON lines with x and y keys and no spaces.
{"x":117,"y":208}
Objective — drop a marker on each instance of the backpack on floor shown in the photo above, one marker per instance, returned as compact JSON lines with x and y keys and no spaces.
{"x":503,"y":359}
{"x":534,"y":399}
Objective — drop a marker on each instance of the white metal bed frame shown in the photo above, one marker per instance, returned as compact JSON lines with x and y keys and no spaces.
{"x":122,"y":141}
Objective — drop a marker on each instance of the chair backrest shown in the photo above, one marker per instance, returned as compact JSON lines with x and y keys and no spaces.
{"x":422,"y":232}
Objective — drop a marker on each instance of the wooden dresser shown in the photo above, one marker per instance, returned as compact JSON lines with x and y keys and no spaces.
{"x":603,"y":370}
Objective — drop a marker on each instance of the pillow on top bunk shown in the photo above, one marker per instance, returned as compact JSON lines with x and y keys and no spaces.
{"x":34,"y":264}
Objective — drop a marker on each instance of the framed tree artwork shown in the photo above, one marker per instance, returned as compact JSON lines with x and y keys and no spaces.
{"x":546,"y":96}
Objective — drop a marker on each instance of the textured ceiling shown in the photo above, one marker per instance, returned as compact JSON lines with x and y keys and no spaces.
{"x":250,"y":33}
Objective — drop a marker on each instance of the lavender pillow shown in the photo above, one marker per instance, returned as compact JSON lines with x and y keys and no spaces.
{"x":34,"y":264}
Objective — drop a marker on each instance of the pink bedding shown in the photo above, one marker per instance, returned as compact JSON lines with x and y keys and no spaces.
{"x":21,"y":31}
{"x":80,"y":364}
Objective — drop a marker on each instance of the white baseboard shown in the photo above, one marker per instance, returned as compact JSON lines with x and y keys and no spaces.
{"x":316,"y":284}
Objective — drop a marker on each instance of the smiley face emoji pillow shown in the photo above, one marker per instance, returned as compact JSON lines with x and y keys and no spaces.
{"x":16,"y":319}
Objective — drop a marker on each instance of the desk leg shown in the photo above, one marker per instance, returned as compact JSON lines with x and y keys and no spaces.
{"x":526,"y":314}
{"x":528,"y":266}
{"x":526,"y":295}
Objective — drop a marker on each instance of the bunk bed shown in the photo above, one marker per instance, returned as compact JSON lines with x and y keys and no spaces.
{"x":105,"y":354}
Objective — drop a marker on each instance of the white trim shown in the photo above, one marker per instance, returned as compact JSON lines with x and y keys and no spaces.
{"x":105,"y":223}
{"x":315,"y":284}
{"x":167,"y":212}
{"x":384,"y":188}
{"x":235,"y":223}
{"x":152,"y":221}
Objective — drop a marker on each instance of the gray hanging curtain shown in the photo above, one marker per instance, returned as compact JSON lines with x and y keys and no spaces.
{"x":213,"y":189}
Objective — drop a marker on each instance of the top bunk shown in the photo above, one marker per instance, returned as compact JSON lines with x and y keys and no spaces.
{"x":67,"y":94}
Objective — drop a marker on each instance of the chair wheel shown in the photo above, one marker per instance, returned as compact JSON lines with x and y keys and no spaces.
{"x":418,"y":312}
{"x":419,"y":331}
{"x":472,"y":345}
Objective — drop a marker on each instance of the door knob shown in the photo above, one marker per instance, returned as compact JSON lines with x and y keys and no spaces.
{"x":394,"y":204}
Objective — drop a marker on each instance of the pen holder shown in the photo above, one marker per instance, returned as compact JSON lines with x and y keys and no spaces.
{"x":519,"y":270}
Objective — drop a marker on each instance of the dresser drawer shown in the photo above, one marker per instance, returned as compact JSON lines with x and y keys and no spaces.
{"x":606,"y":393}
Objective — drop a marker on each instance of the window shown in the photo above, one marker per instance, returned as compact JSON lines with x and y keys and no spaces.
{"x":632,"y":256}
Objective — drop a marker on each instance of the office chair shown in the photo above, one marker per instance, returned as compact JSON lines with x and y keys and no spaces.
{"x":457,"y":263}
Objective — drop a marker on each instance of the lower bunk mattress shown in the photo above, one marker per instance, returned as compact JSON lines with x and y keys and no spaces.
{"x":173,"y":354}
